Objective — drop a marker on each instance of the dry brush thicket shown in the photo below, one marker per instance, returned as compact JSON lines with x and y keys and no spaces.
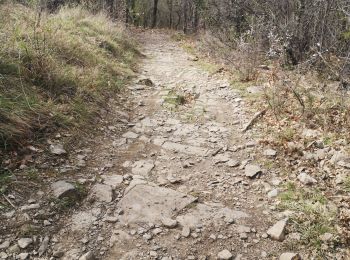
{"x":308,"y":32}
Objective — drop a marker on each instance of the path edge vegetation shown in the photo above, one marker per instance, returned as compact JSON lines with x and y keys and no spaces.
{"x":309,"y":102}
{"x":57,"y":70}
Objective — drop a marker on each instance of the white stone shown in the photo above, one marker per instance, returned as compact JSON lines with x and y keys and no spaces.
{"x":326,"y":237}
{"x":252,"y":170}
{"x":57,"y":149}
{"x":3,"y":255}
{"x":143,"y":167}
{"x":114,"y":180}
{"x":277,"y":231}
{"x":102,"y":192}
{"x":186,"y":231}
{"x":83,"y":220}
{"x":130,"y":135}
{"x":310,"y":133}
{"x":186,"y":149}
{"x":225,"y":255}
{"x":22,"y":256}
{"x":273,"y":193}
{"x":30,"y":207}
{"x":119,"y":142}
{"x":306,"y":179}
{"x":169,"y":223}
{"x":43,"y":246}
{"x":149,"y":203}
{"x":157,"y":231}
{"x":270,"y":153}
{"x":290,"y":256}
{"x":24,"y":242}
{"x":63,"y":189}
{"x":338,"y":156}
{"x":243,"y":229}
{"x":87,"y":256}
{"x":233,"y":163}
{"x":221,"y":158}
{"x":5,"y":245}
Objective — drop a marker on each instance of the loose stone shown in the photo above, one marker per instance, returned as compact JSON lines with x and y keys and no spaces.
{"x":277,"y":231}
{"x":225,"y":255}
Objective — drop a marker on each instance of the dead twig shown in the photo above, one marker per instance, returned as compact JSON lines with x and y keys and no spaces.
{"x":253,"y":120}
{"x":9,"y":201}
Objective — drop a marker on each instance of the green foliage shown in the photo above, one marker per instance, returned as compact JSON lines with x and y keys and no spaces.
{"x":346,"y":184}
{"x":178,"y":36}
{"x":346,"y":35}
{"x":81,"y":189}
{"x":56,"y":68}
{"x":33,"y":174}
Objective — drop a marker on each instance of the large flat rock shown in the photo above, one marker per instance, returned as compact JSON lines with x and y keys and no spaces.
{"x":145,"y":203}
{"x":213,"y":213}
{"x":143,"y":167}
{"x":82,"y":220}
{"x":63,"y":189}
{"x":186,"y":149}
{"x":102,"y":192}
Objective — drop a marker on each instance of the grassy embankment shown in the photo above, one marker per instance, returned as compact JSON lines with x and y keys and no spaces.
{"x":56,"y":70}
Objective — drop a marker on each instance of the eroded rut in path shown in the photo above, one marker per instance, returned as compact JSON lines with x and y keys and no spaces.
{"x":181,"y":191}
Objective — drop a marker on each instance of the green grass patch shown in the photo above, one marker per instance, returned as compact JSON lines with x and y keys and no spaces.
{"x":189,"y":48}
{"x":207,"y":66}
{"x":287,"y":134}
{"x":175,"y":99}
{"x":313,"y":214}
{"x":241,"y":86}
{"x":178,"y":36}
{"x":346,"y":184}
{"x":82,"y":191}
{"x":33,"y":174}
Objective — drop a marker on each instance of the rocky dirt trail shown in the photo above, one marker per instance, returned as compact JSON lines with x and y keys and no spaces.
{"x":182,"y":181}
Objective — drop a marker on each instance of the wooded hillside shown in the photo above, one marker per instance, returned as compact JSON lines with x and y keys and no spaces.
{"x":301,"y":31}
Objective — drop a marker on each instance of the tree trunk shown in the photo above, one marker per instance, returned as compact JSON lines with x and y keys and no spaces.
{"x":155,"y":11}
{"x":127,"y":11}
{"x":110,"y":4}
{"x":170,"y":4}
{"x":196,"y":17}
{"x":132,"y":10}
{"x":185,"y":21}
{"x":129,"y":14}
{"x":178,"y":20}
